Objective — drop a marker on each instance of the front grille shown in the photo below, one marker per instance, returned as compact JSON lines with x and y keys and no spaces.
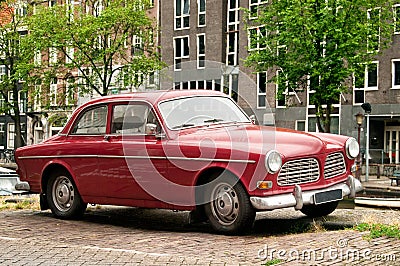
{"x":334,"y":165}
{"x":299,"y":172}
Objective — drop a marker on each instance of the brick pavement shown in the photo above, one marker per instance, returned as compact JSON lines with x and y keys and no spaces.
{"x":130,"y":236}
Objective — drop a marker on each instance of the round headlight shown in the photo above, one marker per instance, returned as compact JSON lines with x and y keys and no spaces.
{"x":273,"y":161}
{"x":352,"y":148}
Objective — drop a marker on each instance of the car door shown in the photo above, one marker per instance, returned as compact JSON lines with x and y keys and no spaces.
{"x":131,"y":155}
{"x":80,"y":149}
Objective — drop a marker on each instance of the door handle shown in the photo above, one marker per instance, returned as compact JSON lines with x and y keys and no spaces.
{"x":107,"y":137}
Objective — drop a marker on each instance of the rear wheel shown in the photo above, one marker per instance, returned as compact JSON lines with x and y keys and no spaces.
{"x":63,"y":197}
{"x":228,"y":206}
{"x":320,"y":210}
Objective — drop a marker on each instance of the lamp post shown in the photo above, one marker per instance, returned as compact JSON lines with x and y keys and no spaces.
{"x":367,"y":108}
{"x":359,"y":120}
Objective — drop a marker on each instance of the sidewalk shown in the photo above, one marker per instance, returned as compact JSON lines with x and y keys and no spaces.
{"x":379,"y":187}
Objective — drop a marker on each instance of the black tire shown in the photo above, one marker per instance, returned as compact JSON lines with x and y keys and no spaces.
{"x":63,"y":197}
{"x":228,"y":207}
{"x":320,"y":210}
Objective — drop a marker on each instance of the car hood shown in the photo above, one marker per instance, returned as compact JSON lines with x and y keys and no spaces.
{"x":260,"y":139}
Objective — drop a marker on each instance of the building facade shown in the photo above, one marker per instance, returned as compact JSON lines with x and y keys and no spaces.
{"x":199,"y":31}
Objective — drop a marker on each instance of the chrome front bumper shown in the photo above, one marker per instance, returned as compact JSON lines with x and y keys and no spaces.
{"x":298,"y":198}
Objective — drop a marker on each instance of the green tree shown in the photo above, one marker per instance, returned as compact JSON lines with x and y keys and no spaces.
{"x":319,"y":44}
{"x":15,"y":60}
{"x":103,"y":43}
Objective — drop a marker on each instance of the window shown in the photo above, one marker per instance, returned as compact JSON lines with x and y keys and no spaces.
{"x":37,"y":59}
{"x":52,"y":3}
{"x":201,"y":13}
{"x":37,"y":101}
{"x":2,"y":137}
{"x":396,"y":18}
{"x":232,"y":49}
{"x":282,"y":95}
{"x":92,"y":122}
{"x":70,"y":92}
{"x":181,"y":47}
{"x":10,"y":135}
{"x":256,"y":36}
{"x":70,"y":9}
{"x":69,"y":55}
{"x":396,"y":74}
{"x":201,"y":50}
{"x":364,"y":80}
{"x":131,"y":119}
{"x":98,"y":8}
{"x":137,"y":43}
{"x":22,"y":102}
{"x":262,"y":89}
{"x":21,"y":9}
{"x":301,"y":125}
{"x":53,"y":92}
{"x":182,"y":14}
{"x":374,"y":16}
{"x":52,"y":56}
{"x":254,"y":6}
{"x":3,"y":71}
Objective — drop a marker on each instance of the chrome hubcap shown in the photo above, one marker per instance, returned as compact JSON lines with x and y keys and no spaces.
{"x":63,"y":193}
{"x":225,"y":203}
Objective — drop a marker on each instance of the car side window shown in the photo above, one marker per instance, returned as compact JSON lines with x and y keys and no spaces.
{"x":92,"y":122}
{"x":133,"y":119}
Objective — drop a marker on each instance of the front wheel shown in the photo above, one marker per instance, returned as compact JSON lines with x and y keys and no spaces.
{"x":320,"y":210}
{"x":228,"y":206}
{"x":63,"y":197}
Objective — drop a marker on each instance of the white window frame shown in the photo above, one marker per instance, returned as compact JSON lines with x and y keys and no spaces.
{"x":182,"y":54}
{"x":3,"y":70}
{"x":394,"y":87}
{"x":366,"y":79}
{"x":98,"y":8}
{"x":255,"y":4}
{"x":297,"y":126}
{"x":10,"y":136}
{"x":69,"y":101}
{"x":233,"y":29}
{"x":201,"y":56}
{"x":396,"y":17}
{"x":182,"y":15}
{"x":22,"y":102}
{"x":201,"y":13}
{"x":37,"y":101}
{"x":262,"y":94}
{"x":69,"y":57}
{"x":37,"y":59}
{"x":259,"y":34}
{"x":52,"y":3}
{"x":53,"y":91}
{"x":286,"y":92}
{"x":53,"y":53}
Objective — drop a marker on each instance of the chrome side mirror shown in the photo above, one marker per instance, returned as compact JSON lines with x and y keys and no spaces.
{"x":253,"y":119}
{"x":151,"y":129}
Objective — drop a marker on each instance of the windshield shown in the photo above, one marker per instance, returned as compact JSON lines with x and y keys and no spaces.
{"x":199,"y":111}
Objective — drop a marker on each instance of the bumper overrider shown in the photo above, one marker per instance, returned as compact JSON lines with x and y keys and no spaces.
{"x":299,"y":198}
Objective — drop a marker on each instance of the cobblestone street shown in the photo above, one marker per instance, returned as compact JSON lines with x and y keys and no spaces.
{"x":130,"y":236}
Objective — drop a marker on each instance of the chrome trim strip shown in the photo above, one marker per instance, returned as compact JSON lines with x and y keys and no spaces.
{"x":139,"y":157}
{"x":299,"y":198}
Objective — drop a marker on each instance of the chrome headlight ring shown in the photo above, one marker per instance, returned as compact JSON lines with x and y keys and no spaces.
{"x":273,"y":161}
{"x":352,"y":148}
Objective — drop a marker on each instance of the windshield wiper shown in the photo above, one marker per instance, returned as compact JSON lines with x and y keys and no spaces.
{"x":214,"y":120}
{"x":183,"y":125}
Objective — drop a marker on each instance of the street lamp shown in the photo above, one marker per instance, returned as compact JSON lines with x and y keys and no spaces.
{"x":359,"y":120}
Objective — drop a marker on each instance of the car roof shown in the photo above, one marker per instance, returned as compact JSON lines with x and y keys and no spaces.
{"x":153,"y":97}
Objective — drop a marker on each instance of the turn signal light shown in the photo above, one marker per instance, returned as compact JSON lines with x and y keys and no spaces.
{"x":264,"y":184}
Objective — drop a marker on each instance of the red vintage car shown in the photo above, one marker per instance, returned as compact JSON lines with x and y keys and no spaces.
{"x":186,"y":150}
